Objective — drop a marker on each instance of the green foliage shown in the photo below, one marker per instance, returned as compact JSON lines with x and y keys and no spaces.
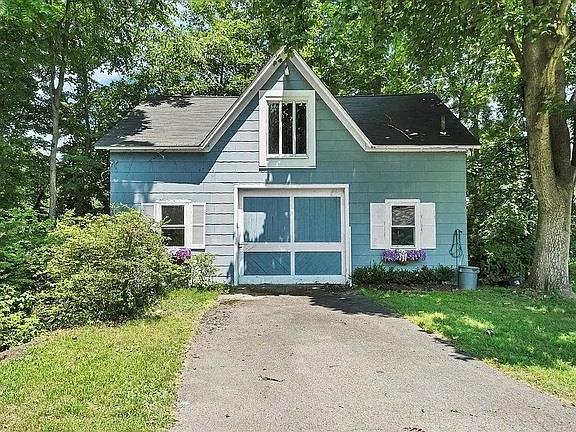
{"x":17,"y":323}
{"x":380,"y":274}
{"x":202,"y":270}
{"x":102,"y":268}
{"x":502,"y":209}
{"x":216,"y":49}
{"x":22,"y":234}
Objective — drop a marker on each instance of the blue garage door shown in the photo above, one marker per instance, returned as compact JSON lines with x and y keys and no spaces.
{"x":291,"y":236}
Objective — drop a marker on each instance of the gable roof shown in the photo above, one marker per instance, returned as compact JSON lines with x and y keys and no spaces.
{"x":408,"y":119}
{"x":170,"y":122}
{"x":377,"y":123}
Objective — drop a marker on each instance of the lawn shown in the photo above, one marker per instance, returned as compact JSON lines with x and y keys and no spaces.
{"x":531,"y":340}
{"x":103,"y":378}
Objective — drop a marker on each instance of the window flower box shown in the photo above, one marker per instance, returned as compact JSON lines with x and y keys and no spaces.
{"x":403,"y":256}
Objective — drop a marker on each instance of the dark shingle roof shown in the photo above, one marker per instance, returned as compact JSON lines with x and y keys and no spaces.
{"x":182,"y":121}
{"x":414,"y":119}
{"x":386,"y":120}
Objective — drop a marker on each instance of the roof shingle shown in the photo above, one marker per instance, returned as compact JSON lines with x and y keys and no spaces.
{"x":184,"y":121}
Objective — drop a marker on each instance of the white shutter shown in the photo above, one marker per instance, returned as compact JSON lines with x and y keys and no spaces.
{"x":195,"y":223}
{"x":149,"y":209}
{"x":428,"y":225}
{"x":379,"y":225}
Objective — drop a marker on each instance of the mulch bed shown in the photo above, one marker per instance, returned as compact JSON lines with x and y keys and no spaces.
{"x":414,"y":287}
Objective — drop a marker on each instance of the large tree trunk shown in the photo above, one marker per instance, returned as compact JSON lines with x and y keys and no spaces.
{"x":54,"y":158}
{"x":550,"y":165}
{"x":58,"y":47}
{"x":549,"y":272}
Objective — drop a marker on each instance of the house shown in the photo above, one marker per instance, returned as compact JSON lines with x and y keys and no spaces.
{"x":290,"y":184}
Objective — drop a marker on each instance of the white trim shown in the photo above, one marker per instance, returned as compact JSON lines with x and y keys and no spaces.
{"x":294,"y":160}
{"x":420,"y":148}
{"x":293,"y":190}
{"x":331,"y":101}
{"x":417,"y":223}
{"x":238,"y":106}
{"x":291,"y":280}
{"x":375,"y":149}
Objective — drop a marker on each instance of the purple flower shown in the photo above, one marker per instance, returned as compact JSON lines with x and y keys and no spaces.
{"x":182,"y":254}
{"x":403,"y":256}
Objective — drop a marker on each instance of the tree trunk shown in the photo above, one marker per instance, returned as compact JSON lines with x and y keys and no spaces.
{"x":552,"y":174}
{"x":549,"y":272}
{"x":54,"y":157}
{"x":59,"y":48}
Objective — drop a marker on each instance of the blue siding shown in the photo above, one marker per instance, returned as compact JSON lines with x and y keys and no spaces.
{"x":372,"y":177}
{"x":317,"y":219}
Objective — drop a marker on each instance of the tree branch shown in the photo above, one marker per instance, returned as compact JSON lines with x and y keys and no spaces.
{"x":515,"y":47}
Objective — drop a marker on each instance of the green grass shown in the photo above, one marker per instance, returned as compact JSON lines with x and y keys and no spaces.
{"x":531,"y":340}
{"x":103,"y":378}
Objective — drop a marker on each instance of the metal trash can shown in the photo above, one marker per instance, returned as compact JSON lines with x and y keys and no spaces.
{"x":468,"y":277}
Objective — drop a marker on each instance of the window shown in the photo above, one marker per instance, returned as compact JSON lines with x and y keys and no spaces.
{"x":402,"y":224}
{"x":173,"y":228}
{"x":287,"y":134}
{"x":286,"y":128}
{"x":183,"y":224}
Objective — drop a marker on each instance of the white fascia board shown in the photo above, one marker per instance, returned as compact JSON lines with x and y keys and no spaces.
{"x":421,"y":148}
{"x":234,"y":111}
{"x":147,"y":149}
{"x":331,"y":101}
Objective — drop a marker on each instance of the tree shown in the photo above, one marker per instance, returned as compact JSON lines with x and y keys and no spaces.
{"x":215,"y":48}
{"x":537,"y":36}
{"x":75,"y":37}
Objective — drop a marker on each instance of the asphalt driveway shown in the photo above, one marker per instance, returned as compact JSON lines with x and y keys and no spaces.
{"x":337,"y":362}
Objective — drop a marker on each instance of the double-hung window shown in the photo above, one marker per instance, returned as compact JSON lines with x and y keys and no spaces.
{"x":287,"y":129}
{"x":402,"y":224}
{"x":181,"y":224}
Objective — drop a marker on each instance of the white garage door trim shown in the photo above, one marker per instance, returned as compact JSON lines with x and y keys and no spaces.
{"x":259,"y":190}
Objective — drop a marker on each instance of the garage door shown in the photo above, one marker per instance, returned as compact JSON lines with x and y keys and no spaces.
{"x":291,"y":236}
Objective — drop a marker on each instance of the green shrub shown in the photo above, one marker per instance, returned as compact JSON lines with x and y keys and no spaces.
{"x":22,"y":234}
{"x":380,"y":274}
{"x":195,"y":270}
{"x":102,"y":268}
{"x":17,"y":323}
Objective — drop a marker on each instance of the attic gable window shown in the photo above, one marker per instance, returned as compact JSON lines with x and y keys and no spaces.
{"x":287,"y":129}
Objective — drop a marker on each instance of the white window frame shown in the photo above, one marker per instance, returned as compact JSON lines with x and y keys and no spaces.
{"x":188,"y":222}
{"x":307,"y":160}
{"x":417,"y":222}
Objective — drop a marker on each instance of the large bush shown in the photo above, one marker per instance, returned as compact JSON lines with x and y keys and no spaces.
{"x":102,"y":268}
{"x":22,"y":234}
